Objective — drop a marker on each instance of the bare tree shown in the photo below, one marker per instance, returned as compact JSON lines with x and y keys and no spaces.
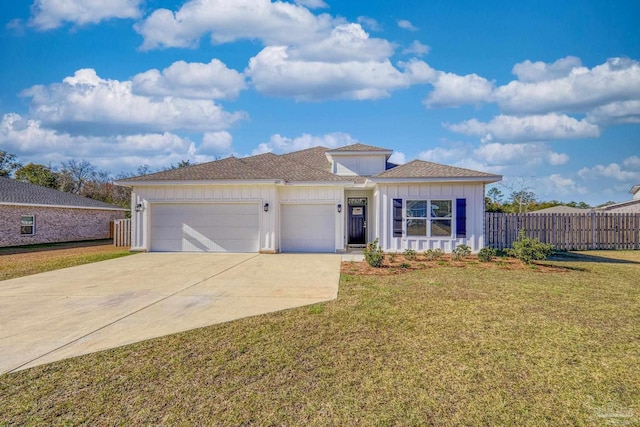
{"x":78,"y":173}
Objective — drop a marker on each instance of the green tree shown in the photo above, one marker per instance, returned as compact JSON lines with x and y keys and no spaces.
{"x":521,"y":200}
{"x":38,"y":175}
{"x":493,"y":200}
{"x":8,"y":163}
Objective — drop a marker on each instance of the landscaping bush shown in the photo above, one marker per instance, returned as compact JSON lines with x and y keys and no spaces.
{"x":461,"y":251}
{"x":373,"y":254}
{"x":409,"y":254}
{"x":487,"y":254}
{"x":433,"y":254}
{"x":528,"y":250}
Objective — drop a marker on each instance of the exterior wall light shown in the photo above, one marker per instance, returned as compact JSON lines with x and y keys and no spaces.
{"x":139,"y":207}
{"x":266,"y":207}
{"x":339,"y":207}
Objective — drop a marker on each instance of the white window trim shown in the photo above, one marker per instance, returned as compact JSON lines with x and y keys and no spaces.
{"x":428,"y":218}
{"x":33,"y":226}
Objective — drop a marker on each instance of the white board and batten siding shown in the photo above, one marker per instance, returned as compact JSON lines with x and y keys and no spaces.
{"x":472,"y":192}
{"x":216,"y":218}
{"x":359,"y":165}
{"x":309,"y":220}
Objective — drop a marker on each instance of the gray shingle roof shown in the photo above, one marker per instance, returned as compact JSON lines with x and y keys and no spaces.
{"x":423,"y":169}
{"x":358,"y":147}
{"x":22,"y":193}
{"x":266,"y":166}
{"x":310,"y":165}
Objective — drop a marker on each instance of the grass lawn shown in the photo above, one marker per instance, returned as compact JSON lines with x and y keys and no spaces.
{"x":444,"y":345}
{"x":25,"y":260}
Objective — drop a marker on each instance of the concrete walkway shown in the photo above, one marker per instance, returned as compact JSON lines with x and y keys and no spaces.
{"x":66,"y":313}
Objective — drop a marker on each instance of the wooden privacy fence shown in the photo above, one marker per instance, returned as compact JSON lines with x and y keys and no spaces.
{"x":122,"y":232}
{"x":582,"y":231}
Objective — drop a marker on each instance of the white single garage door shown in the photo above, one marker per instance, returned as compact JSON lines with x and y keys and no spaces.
{"x":204,"y":227}
{"x":307,"y":228}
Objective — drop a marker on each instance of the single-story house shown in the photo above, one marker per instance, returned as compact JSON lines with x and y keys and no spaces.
{"x":561,"y":209}
{"x":31,"y":214}
{"x":630,"y":206}
{"x":313,"y":200}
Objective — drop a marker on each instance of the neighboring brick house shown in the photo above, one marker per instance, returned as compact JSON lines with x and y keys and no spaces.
{"x":31,"y":214}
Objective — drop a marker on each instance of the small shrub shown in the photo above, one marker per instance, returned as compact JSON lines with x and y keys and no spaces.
{"x":409,"y":254}
{"x":487,"y":254}
{"x":461,"y":251}
{"x":392,"y":256}
{"x":405,"y":265}
{"x":528,"y":250}
{"x":433,"y":254}
{"x":373,"y":254}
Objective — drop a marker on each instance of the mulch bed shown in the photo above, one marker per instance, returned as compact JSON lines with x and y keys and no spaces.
{"x":400,"y":265}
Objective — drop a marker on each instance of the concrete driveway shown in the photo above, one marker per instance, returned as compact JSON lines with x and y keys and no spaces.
{"x":79,"y":310}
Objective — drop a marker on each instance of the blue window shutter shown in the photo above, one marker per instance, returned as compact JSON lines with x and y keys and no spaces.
{"x":397,"y":217}
{"x":461,"y":218}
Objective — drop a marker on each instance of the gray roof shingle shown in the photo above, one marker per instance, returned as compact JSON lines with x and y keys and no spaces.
{"x":358,"y":147}
{"x":23,"y":193}
{"x":423,"y":169}
{"x":309,"y":165}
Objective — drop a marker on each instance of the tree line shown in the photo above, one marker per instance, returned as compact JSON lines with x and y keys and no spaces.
{"x":524,"y":200}
{"x":75,"y":176}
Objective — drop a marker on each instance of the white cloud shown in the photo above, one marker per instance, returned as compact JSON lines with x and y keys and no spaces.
{"x":527,"y":128}
{"x":417,"y":48}
{"x":50,"y":14}
{"x":616,"y":113}
{"x":613,"y":171}
{"x":452,"y":90}
{"x":369,"y":23}
{"x":398,"y":158}
{"x":556,"y":184}
{"x":281,"y":144}
{"x":86,"y":103}
{"x":25,"y":137}
{"x":557,"y":159}
{"x":216,"y":143}
{"x":632,"y":162}
{"x":278,"y":23}
{"x":444,"y":155}
{"x":312,"y":4}
{"x":530,"y":72}
{"x":580,"y":91}
{"x":191,"y":80}
{"x":406,"y":25}
{"x":346,"y":43}
{"x":496,"y":154}
{"x":273,"y":72}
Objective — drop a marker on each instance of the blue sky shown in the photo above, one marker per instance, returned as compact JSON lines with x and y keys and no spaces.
{"x":545,"y":93}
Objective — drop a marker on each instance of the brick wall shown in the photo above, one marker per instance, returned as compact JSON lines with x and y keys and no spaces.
{"x":55,"y":224}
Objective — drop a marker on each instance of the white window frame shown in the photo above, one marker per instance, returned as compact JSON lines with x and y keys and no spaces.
{"x":429,"y":218}
{"x":33,"y":225}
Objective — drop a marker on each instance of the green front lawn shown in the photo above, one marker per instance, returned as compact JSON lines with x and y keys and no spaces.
{"x":445,"y":345}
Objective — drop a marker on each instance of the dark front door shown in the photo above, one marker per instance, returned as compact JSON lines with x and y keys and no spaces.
{"x":357,"y":225}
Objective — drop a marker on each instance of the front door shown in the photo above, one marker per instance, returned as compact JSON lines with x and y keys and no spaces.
{"x":357,"y":224}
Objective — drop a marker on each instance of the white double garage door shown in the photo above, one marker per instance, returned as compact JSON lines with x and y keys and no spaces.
{"x":235,"y":227}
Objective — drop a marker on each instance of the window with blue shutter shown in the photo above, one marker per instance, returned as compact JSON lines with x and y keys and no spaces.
{"x":397,"y":217}
{"x":461,"y":218}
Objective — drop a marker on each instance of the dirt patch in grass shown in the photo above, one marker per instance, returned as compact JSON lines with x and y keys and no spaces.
{"x":400,"y":265}
{"x":27,"y":260}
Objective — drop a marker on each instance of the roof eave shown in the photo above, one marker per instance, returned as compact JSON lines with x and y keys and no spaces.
{"x":200,"y":182}
{"x":483,"y":179}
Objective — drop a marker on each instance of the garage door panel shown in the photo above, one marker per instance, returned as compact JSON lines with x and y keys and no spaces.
{"x":308,"y":228}
{"x":206,"y":227}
